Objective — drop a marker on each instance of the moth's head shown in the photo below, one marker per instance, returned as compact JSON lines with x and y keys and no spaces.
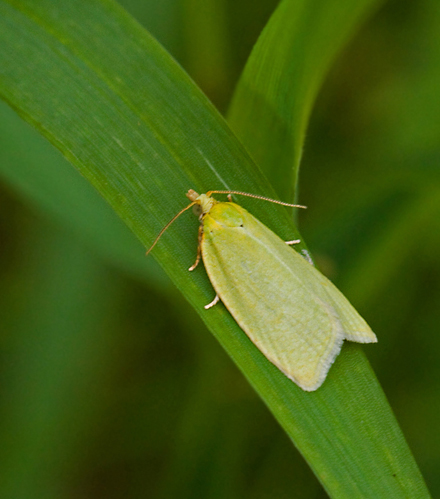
{"x":203,"y":203}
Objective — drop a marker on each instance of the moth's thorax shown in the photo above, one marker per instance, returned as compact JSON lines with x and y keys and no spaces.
{"x":224,"y":214}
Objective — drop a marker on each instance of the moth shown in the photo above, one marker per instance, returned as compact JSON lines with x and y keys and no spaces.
{"x":290,"y":311}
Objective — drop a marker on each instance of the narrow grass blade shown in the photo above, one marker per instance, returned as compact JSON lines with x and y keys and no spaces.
{"x":275,"y":94}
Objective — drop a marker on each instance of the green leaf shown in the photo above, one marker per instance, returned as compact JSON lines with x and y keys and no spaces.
{"x":43,"y":177}
{"x":275,"y":94}
{"x":130,"y":120}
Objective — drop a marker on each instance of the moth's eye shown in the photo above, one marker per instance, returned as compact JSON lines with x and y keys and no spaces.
{"x":197,"y":210}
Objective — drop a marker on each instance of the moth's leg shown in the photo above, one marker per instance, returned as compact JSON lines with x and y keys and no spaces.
{"x":230,"y":198}
{"x":295,"y":241}
{"x":194,"y":265}
{"x":199,"y":249}
{"x":214,"y":302}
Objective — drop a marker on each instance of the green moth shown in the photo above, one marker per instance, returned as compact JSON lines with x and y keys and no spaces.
{"x":291,"y":312}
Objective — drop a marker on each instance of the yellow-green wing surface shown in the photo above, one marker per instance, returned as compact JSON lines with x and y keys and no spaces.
{"x":289,"y":310}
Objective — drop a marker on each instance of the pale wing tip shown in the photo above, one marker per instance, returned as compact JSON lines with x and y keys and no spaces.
{"x":313,"y":379}
{"x":310,"y":388}
{"x":362,"y":336}
{"x":307,"y":383}
{"x":312,"y":383}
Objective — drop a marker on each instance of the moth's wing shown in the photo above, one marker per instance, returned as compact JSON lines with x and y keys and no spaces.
{"x":354,"y":326}
{"x":256,"y":277}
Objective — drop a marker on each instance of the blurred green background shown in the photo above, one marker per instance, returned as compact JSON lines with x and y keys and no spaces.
{"x":113,"y":388}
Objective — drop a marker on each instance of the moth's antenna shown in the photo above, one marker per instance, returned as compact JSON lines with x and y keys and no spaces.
{"x":257,"y":197}
{"x":167,"y":225}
